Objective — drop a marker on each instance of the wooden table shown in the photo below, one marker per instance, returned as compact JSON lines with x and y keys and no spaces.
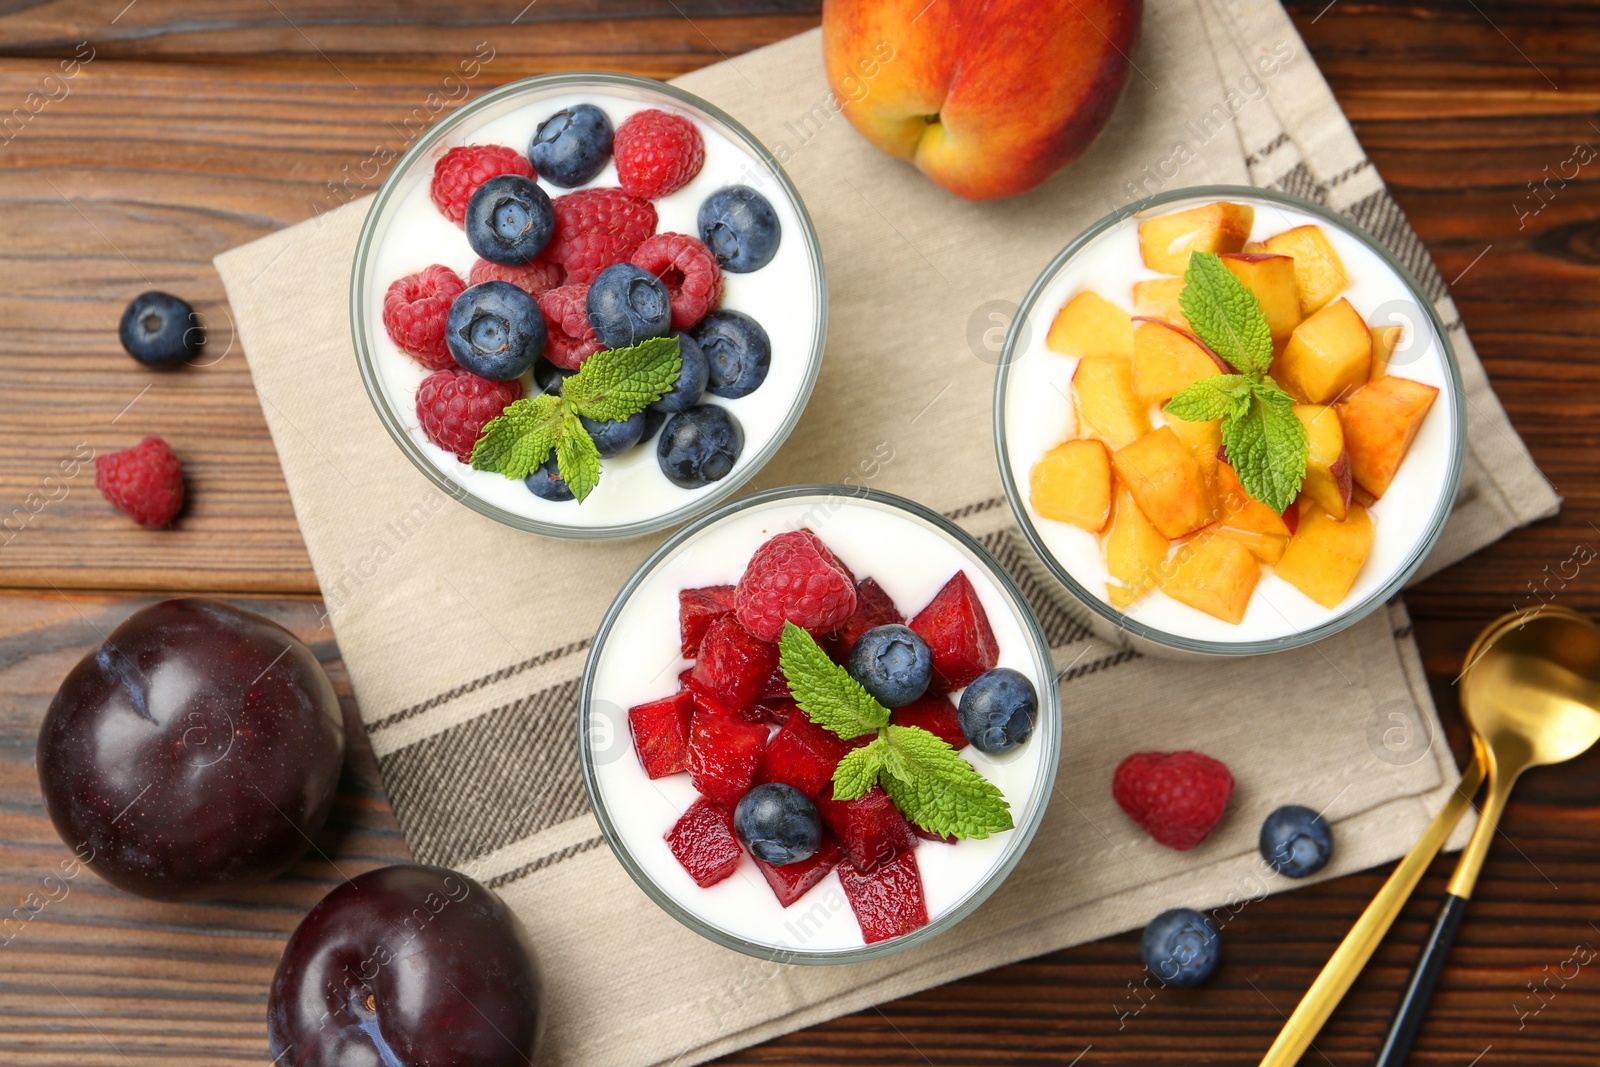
{"x":197,"y":127}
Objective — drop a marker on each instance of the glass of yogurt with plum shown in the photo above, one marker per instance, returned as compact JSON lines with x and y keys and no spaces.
{"x":553,"y":237}
{"x":819,"y":725}
{"x":1224,"y":304}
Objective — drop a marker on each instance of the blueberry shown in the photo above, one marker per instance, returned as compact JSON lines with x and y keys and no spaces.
{"x":547,"y":482}
{"x":740,"y":228}
{"x":628,"y":304}
{"x":738,"y":353}
{"x":495,"y":331}
{"x":699,"y":446}
{"x":691,"y":384}
{"x":1181,"y":947}
{"x":613,"y":438}
{"x":509,"y":220}
{"x":892,"y":663}
{"x":1296,"y":841}
{"x":159,"y":330}
{"x":997,"y":710}
{"x":778,"y":824}
{"x":548,"y":377}
{"x":571,"y":146}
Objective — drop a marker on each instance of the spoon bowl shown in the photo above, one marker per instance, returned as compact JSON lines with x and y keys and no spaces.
{"x":1531,"y":689}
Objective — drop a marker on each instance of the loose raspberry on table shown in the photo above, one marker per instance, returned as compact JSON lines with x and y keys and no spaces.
{"x":454,"y":405}
{"x":657,"y":153}
{"x":568,"y":337}
{"x":460,"y":171}
{"x":794,"y":577}
{"x":535,"y":279}
{"x":144,"y":482}
{"x":415,"y":310}
{"x":688,"y":271}
{"x":1177,"y":797}
{"x":596,"y":229}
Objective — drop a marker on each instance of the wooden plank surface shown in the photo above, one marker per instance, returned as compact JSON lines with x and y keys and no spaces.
{"x":198,"y":127}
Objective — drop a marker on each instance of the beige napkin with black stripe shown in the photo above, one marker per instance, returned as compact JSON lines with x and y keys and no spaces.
{"x":464,"y":640}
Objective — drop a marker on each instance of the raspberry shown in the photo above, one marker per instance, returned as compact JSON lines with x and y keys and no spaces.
{"x":454,"y":405}
{"x":794,"y":578}
{"x":596,"y":229}
{"x":535,"y":279}
{"x":569,"y":339}
{"x":460,"y":171}
{"x":687,"y":270}
{"x":144,"y":482}
{"x":1177,"y":797}
{"x":657,"y":153}
{"x":414,"y":312}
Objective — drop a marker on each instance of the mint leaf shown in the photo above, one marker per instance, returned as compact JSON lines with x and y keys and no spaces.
{"x":617,"y":383}
{"x":858,"y":771}
{"x":1217,"y":397}
{"x":577,"y":457}
{"x":1267,"y":446}
{"x":938,"y":790}
{"x":1226,"y":315}
{"x":519,"y":439}
{"x":824,"y":690}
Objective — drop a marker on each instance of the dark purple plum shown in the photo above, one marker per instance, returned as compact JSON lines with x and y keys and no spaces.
{"x":407,"y":966}
{"x":194,"y":752}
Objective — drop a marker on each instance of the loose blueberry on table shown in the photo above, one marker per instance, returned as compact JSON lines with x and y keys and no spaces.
{"x":1181,"y":947}
{"x":1296,"y":841}
{"x":159,"y":330}
{"x":780,"y":772}
{"x":583,"y":276}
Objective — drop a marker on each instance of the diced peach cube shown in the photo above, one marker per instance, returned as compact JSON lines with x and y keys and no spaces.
{"x":1325,"y":555}
{"x":1380,"y":422}
{"x":1167,"y":360}
{"x":1328,"y":476}
{"x":1158,"y":298}
{"x":1317,"y":269}
{"x":1135,"y":551}
{"x":1271,"y":279}
{"x":1204,"y":441}
{"x":1166,"y":240}
{"x":1328,"y":355}
{"x":1102,"y":387}
{"x":1072,"y":483}
{"x":1247,"y":520}
{"x":1166,"y":482}
{"x":1385,"y":339}
{"x":1215,"y":575}
{"x":1091,"y":325}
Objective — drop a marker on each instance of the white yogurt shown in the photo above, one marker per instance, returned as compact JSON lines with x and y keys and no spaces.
{"x":640,"y":661}
{"x":782,"y":296}
{"x":1039,"y":414}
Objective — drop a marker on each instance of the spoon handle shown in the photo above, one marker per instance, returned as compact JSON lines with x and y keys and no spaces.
{"x":1419,"y":987}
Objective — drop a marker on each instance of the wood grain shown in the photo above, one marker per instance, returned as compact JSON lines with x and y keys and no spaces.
{"x":187,"y":135}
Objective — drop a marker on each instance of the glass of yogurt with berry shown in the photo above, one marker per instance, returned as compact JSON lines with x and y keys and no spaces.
{"x":588,"y":305}
{"x":1229,"y":422}
{"x":819,"y":725}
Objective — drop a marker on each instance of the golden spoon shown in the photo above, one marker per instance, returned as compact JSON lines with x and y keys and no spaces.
{"x":1362,"y":941}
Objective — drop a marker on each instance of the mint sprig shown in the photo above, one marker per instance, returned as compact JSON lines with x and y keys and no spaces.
{"x":925,"y":777}
{"x":612,"y":385}
{"x":1264,"y":440}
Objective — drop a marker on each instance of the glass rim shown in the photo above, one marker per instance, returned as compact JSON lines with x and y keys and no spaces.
{"x":1047,"y":733}
{"x":1144,"y":631}
{"x":393,"y":421}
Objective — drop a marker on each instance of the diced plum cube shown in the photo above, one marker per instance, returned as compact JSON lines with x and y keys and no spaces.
{"x":935,"y":713}
{"x":873,"y":608}
{"x":888,"y":902}
{"x":870,"y":828}
{"x":723,"y":754}
{"x":734,"y":664}
{"x":803,"y":755}
{"x":957,"y":631}
{"x":771,"y":712}
{"x":777,"y":687}
{"x":703,"y":699}
{"x":704,"y":842}
{"x":791,"y":881}
{"x":661,"y":734}
{"x":929,"y":835}
{"x":697,"y":610}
